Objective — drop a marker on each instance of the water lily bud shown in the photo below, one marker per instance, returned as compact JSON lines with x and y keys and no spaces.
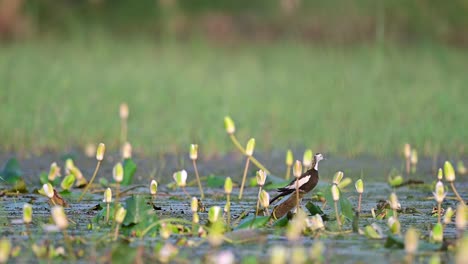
{"x":439,"y":193}
{"x":27,"y":213}
{"x":264,"y":199}
{"x":194,"y":205}
{"x":394,"y":204}
{"x":411,"y":241}
{"x":298,"y":255}
{"x":462,"y":252}
{"x":414,"y":157}
{"x":345,"y":182}
{"x":153,"y":187}
{"x":449,"y":172}
{"x":261,"y":177}
{"x":100,"y":151}
{"x":59,"y":217}
{"x":48,"y":190}
{"x":69,"y":164}
{"x":68,"y":182}
{"x":316,"y":222}
{"x":278,"y":254}
{"x":460,"y":217}
{"x":335,"y":192}
{"x":224,"y":257}
{"x":297,"y":169}
{"x":440,"y":174}
{"x":307,"y":158}
{"x":395,"y":180}
{"x":5,"y":249}
{"x":107,"y":195}
{"x":193,"y":151}
{"x":394,"y":225}
{"x":127,"y":150}
{"x":228,"y":185}
{"x":196,"y":218}
{"x":165,"y":231}
{"x":407,"y":150}
{"x":54,"y":171}
{"x":229,"y":125}
{"x":123,"y":111}
{"x":180,"y":178}
{"x":438,"y":233}
{"x":118,"y":172}
{"x":461,"y":167}
{"x":213,"y":213}
{"x":120,"y":215}
{"x":359,"y":186}
{"x":249,"y":149}
{"x":337,"y":177}
{"x":289,"y":158}
{"x":448,"y":215}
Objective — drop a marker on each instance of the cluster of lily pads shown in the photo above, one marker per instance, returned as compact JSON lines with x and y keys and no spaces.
{"x":124,"y":218}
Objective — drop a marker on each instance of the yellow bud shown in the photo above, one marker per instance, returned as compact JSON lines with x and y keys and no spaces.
{"x":335,"y":192}
{"x":289,"y":158}
{"x":118,"y":172}
{"x":107,"y":195}
{"x":264,"y":199}
{"x":278,"y":254}
{"x":165,"y":231}
{"x":59,"y":217}
{"x":27,"y":213}
{"x":120,"y":215}
{"x":123,"y":111}
{"x":48,"y":190}
{"x":196,"y":218}
{"x":194,"y":205}
{"x":297,"y":169}
{"x":100,"y":151}
{"x":5,"y":249}
{"x":307,"y":158}
{"x":414,"y":157}
{"x":229,"y":125}
{"x":394,"y":225}
{"x":462,"y":252}
{"x":359,"y":186}
{"x":153,"y":187}
{"x":180,"y":178}
{"x":449,"y":172}
{"x":394,"y":204}
{"x":213,"y":213}
{"x":250,"y":147}
{"x":261,"y":177}
{"x":127,"y":150}
{"x":460,"y":217}
{"x":411,"y":241}
{"x":54,"y":171}
{"x":439,"y":193}
{"x":448,"y":215}
{"x":193,"y":151}
{"x":440,"y":174}
{"x":345,"y":182}
{"x":438,"y":233}
{"x":407,"y":150}
{"x":337,"y":177}
{"x":228,"y":185}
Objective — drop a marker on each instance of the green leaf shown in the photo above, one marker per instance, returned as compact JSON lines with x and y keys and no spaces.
{"x":346,"y":207}
{"x":136,"y":206}
{"x":215,"y":181}
{"x":370,"y":232}
{"x":12,"y":174}
{"x":394,"y":241}
{"x":313,"y":209}
{"x":43,"y":178}
{"x":250,"y":222}
{"x":68,"y":182}
{"x":130,"y":168}
{"x":282,"y":222}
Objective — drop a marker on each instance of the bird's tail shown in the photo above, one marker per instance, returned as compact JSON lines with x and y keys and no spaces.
{"x":275,"y":198}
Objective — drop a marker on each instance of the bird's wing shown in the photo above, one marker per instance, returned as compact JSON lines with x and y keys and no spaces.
{"x":292,"y":186}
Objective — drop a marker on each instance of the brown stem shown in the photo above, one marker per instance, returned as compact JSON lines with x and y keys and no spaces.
{"x":297,"y":193}
{"x":198,"y":179}
{"x":359,"y":203}
{"x":244,"y":177}
{"x":228,"y":202}
{"x":116,"y":233}
{"x":337,"y":215}
{"x":91,"y":181}
{"x":456,"y":193}
{"x":107,"y":213}
{"x":408,"y":166}
{"x":439,"y":205}
{"x":258,"y":204}
{"x":254,"y":160}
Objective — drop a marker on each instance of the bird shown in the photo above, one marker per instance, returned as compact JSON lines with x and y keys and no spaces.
{"x":307,"y":181}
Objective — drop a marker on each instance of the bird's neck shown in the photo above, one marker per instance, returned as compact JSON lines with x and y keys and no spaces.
{"x":316,"y":166}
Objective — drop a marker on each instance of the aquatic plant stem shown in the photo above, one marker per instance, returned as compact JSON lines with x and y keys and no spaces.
{"x":117,"y":198}
{"x":359,"y":203}
{"x":456,"y":193}
{"x":408,"y":166}
{"x":439,"y":209}
{"x":198,"y":179}
{"x":186,"y":193}
{"x":123,"y":131}
{"x":68,"y":244}
{"x":258,"y":205}
{"x":107,"y":212}
{"x":288,"y":172}
{"x":244,"y":176}
{"x":297,"y":194}
{"x":228,"y":205}
{"x":194,"y":225}
{"x":116,"y":232}
{"x":91,"y":181}
{"x":337,"y":215}
{"x":254,"y":160}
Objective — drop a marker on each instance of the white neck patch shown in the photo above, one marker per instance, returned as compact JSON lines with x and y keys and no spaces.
{"x":316,"y":165}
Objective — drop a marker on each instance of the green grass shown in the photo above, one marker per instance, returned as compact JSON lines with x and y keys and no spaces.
{"x":354,"y":100}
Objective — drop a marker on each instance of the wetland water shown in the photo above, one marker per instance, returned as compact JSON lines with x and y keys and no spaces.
{"x":416,"y":202}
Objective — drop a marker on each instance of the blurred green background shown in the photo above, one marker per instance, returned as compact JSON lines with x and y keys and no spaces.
{"x":348,"y":77}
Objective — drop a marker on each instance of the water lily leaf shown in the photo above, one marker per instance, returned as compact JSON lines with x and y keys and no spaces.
{"x":12,"y":174}
{"x":215,"y":181}
{"x":136,"y":206}
{"x":313,"y":209}
{"x":130,"y":168}
{"x":250,"y":222}
{"x":68,"y":182}
{"x":346,"y":207}
{"x":394,"y":241}
{"x":371,"y":233}
{"x":282,"y":222}
{"x":43,"y":178}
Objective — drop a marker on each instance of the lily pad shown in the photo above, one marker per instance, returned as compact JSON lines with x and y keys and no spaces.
{"x":13,"y":175}
{"x":136,"y":206}
{"x":215,"y":181}
{"x":249,"y":221}
{"x":130,"y":168}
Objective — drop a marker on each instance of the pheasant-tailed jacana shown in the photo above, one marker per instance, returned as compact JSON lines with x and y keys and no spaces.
{"x":307,"y":181}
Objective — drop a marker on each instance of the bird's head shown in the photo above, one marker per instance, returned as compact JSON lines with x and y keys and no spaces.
{"x":318,"y":157}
